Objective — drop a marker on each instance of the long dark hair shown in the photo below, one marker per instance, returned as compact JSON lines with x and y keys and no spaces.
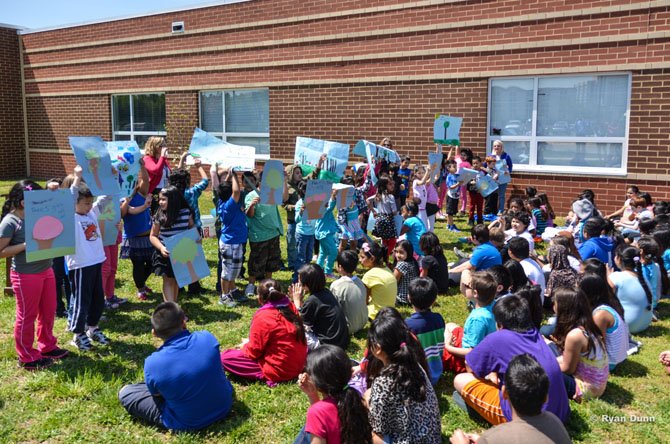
{"x":574,"y":311}
{"x":176,"y":203}
{"x":407,"y":376}
{"x":599,"y":293}
{"x":519,"y":278}
{"x":630,"y":260}
{"x":430,"y":244}
{"x":329,"y":368}
{"x":533,"y":295}
{"x":652,"y":253}
{"x":409,"y":250}
{"x":382,"y":187}
{"x":15,"y":195}
{"x":269,"y":290}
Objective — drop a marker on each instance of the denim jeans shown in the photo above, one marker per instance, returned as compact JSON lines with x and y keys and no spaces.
{"x":502,"y":188}
{"x":303,"y":437}
{"x":305,"y":250}
{"x":291,"y":246}
{"x":140,"y":403}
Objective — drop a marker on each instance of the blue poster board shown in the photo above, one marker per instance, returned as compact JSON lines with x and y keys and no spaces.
{"x":92,"y":155}
{"x":435,"y":161}
{"x":212,"y":150}
{"x":316,"y":199}
{"x":308,"y":151}
{"x":465,"y":175}
{"x":187,"y":257}
{"x":503,"y":172}
{"x":125,"y":156}
{"x":109,"y":217}
{"x":376,"y":151}
{"x":272,"y":184}
{"x":446,"y":130}
{"x":399,"y":221}
{"x":345,"y":195}
{"x":49,"y":219}
{"x":486,"y":185}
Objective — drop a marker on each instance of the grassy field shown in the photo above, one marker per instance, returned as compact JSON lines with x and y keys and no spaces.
{"x":76,"y":400}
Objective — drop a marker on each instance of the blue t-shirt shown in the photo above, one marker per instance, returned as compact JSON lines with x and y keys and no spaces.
{"x":416,"y":229}
{"x":452,"y":179}
{"x":303,"y":226}
{"x":485,"y":256}
{"x":136,"y":224}
{"x":633,"y":299}
{"x":186,"y":371}
{"x":479,"y":324}
{"x":233,"y":222}
{"x":404,"y":174}
{"x":495,"y":352}
{"x":192,"y":195}
{"x":598,"y":247}
{"x":666,"y":260}
{"x":429,"y":329}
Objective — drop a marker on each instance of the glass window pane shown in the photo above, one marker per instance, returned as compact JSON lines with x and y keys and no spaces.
{"x":149,"y":112}
{"x":581,"y":154}
{"x":518,"y":151}
{"x":262,"y":144}
{"x":248,"y":111}
{"x":121,"y":136}
{"x":583,"y":106}
{"x":211,"y":111}
{"x":511,"y":107}
{"x":121,"y":116}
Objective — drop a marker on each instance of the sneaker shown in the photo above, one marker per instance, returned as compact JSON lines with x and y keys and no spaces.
{"x":97,"y":336}
{"x":459,"y":401}
{"x":227,"y":301}
{"x":142,"y":295}
{"x":38,"y":364}
{"x":147,"y":290}
{"x":460,"y":254}
{"x":471,"y":222}
{"x":489,"y":217}
{"x":655,"y":316}
{"x":56,"y":353}
{"x":453,"y":229}
{"x":82,"y":342}
{"x":118,"y":300}
{"x":250,"y":290}
{"x":110,"y":304}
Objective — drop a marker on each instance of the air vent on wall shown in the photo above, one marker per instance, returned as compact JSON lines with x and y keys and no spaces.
{"x":177,"y":27}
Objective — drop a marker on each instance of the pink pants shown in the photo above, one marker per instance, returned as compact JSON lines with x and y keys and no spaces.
{"x":109,"y":269}
{"x":35,"y":300}
{"x":464,"y":198}
{"x":240,"y":365}
{"x":442,"y":194}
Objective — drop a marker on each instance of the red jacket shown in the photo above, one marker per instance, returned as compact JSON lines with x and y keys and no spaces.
{"x":273,"y":343}
{"x":155,"y":170}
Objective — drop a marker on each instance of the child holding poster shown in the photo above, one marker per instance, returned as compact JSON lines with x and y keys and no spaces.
{"x":34,"y":286}
{"x":325,"y":231}
{"x":347,"y":220}
{"x":476,"y":199}
{"x":304,"y":232}
{"x":383,"y":208}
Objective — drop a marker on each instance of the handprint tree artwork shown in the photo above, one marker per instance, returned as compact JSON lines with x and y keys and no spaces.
{"x":272,"y":185}
{"x":49,"y":224}
{"x":187,"y":257}
{"x":110,"y":215}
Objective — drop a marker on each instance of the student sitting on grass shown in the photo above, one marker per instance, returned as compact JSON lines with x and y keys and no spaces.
{"x":185,"y":387}
{"x":427,"y":326}
{"x":526,"y":386}
{"x":381,"y":285}
{"x":350,"y":291}
{"x":459,"y":341}
{"x":406,"y":269}
{"x":434,"y":265}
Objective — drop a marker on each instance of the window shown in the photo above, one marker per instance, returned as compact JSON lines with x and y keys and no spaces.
{"x":138,"y":117}
{"x":240,"y":116}
{"x":576,"y":124}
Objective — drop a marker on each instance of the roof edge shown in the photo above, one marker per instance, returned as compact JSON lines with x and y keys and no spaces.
{"x":24,"y":31}
{"x":10,"y":26}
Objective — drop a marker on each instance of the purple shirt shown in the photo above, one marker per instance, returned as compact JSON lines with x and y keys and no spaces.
{"x":495,"y":352}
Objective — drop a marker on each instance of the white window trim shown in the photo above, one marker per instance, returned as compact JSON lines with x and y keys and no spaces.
{"x":533,"y":140}
{"x":223,"y":134}
{"x":133,"y":133}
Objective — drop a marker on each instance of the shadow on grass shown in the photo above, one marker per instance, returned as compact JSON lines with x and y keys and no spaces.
{"x":630,"y":369}
{"x":577,"y":427}
{"x":617,"y":395}
{"x":655,"y":330}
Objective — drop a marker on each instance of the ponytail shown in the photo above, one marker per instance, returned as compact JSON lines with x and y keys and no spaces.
{"x":630,"y":260}
{"x":15,"y":195}
{"x":643,"y":282}
{"x":269,"y":291}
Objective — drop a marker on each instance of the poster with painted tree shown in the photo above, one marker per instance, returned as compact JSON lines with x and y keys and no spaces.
{"x":92,"y":155}
{"x":187,"y":257}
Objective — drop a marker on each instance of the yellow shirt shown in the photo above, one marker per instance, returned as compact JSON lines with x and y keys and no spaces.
{"x":383,"y":289}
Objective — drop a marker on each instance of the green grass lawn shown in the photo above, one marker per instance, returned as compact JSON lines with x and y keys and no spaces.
{"x":76,"y":399}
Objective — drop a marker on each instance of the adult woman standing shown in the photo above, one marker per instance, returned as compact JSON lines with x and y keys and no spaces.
{"x":157,"y":165}
{"x":500,"y":154}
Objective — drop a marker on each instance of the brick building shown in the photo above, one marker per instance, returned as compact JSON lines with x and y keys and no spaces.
{"x":578,"y":90}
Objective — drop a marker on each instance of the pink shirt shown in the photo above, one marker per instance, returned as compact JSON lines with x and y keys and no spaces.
{"x":431,"y":193}
{"x":323,"y":420}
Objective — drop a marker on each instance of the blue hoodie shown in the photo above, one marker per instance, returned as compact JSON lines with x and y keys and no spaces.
{"x":598,"y":247}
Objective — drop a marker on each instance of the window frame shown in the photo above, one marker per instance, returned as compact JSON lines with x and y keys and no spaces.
{"x":132,"y":133}
{"x":223,"y":134}
{"x":534,"y":140}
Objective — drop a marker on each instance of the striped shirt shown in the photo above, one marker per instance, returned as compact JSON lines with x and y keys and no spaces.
{"x":181,"y":224}
{"x":429,"y":329}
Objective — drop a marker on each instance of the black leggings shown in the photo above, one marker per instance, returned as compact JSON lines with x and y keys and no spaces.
{"x":141,"y":271}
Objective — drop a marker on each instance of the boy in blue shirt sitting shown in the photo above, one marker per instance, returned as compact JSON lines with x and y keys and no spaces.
{"x":185,"y":387}
{"x":459,"y":341}
{"x":426,"y":325}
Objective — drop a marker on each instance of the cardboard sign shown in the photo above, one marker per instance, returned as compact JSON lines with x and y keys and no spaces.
{"x":212,"y":150}
{"x":503,"y":172}
{"x":446,"y":130}
{"x":316,"y":199}
{"x":92,"y":155}
{"x":49,"y":224}
{"x":272,"y":183}
{"x":308,"y":152}
{"x":125,"y":156}
{"x":109,"y":217}
{"x":187,"y":257}
{"x":345,"y":195}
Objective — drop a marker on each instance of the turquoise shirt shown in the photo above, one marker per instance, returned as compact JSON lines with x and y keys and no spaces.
{"x":266,"y":223}
{"x":479,"y":324}
{"x":416,"y":229}
{"x":326,"y":225}
{"x":303,"y":226}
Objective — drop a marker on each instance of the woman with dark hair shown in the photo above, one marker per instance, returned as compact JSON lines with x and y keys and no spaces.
{"x":276,"y":348}
{"x":403,"y":405}
{"x":323,"y":317}
{"x":337,"y":412}
{"x":583,"y":358}
{"x":608,"y":317}
{"x":631,"y":289}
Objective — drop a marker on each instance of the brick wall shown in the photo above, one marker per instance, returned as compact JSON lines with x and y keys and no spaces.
{"x":181,"y":115}
{"x":12,"y":157}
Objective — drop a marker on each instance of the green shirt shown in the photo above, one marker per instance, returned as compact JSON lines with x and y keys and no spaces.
{"x":265,"y":224}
